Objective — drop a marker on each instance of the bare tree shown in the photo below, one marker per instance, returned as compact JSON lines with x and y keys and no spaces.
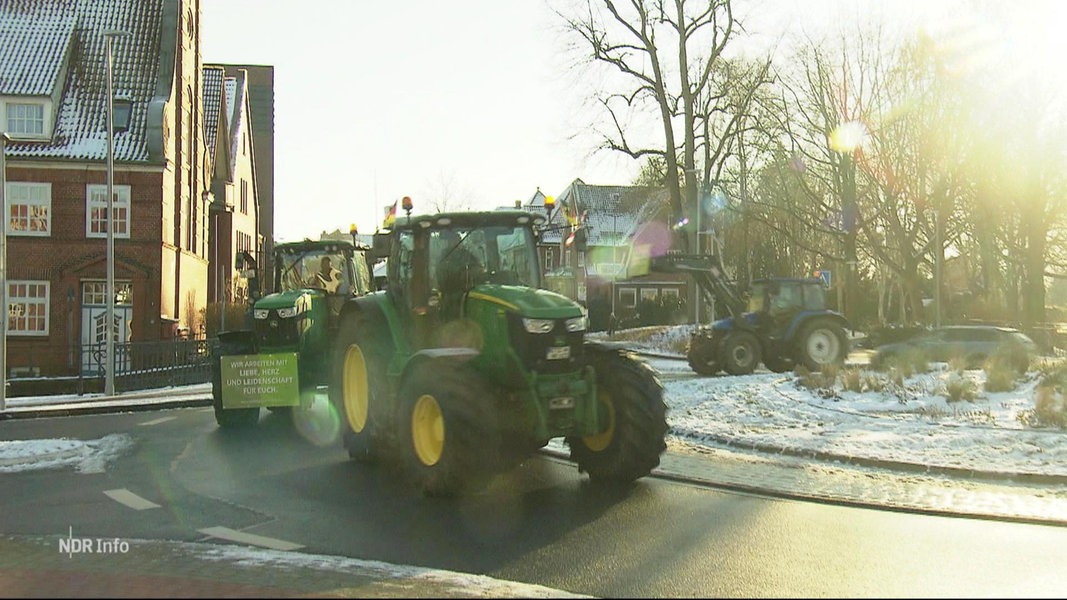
{"x":664,"y":52}
{"x":445,"y":193}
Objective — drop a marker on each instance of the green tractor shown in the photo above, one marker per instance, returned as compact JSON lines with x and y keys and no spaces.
{"x":464,"y":366}
{"x":285,"y":355}
{"x":785,"y":322}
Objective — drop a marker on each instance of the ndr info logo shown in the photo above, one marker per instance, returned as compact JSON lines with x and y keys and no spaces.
{"x":72,"y":545}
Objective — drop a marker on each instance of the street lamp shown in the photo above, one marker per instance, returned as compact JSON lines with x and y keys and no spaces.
{"x":3,"y":272}
{"x":122,"y":109}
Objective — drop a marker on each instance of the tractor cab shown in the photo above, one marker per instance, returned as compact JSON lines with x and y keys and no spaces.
{"x":440,"y":259}
{"x":784,"y":298}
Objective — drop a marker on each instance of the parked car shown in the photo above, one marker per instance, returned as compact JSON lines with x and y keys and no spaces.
{"x":973,"y":344}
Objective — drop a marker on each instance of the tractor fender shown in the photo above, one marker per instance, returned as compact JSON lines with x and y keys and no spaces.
{"x":457,"y":354}
{"x":378,"y":310}
{"x":803,"y":318}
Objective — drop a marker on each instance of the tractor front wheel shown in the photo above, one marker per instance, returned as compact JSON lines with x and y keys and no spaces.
{"x":740,"y":353}
{"x":357,"y":386}
{"x":448,"y":431}
{"x":822,"y":342}
{"x":634,"y":415}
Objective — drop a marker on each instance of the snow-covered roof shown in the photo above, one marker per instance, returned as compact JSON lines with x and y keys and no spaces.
{"x":58,"y":48}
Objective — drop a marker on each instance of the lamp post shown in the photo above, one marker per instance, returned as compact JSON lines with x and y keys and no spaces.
{"x":124,"y":107}
{"x":3,"y":272}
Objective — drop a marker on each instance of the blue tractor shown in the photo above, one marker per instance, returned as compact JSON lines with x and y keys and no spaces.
{"x":784,"y":322}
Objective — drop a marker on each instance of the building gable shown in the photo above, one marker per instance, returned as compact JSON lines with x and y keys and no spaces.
{"x":58,"y":49}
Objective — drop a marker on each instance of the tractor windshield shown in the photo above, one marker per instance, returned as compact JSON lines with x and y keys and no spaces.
{"x":461,"y":258}
{"x":326,"y":270}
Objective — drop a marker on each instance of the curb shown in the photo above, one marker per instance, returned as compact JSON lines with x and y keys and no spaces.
{"x":114,"y":405}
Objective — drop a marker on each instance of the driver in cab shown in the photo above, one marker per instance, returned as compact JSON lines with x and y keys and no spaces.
{"x":328,"y":277}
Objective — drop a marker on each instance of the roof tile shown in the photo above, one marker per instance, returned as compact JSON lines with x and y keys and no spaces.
{"x":37,"y":36}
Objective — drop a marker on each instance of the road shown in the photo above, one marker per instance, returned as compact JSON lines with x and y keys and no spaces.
{"x":183,"y":479}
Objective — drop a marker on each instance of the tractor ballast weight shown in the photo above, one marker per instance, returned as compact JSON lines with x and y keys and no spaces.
{"x":464,"y":366}
{"x":285,"y":354}
{"x":784,"y":323}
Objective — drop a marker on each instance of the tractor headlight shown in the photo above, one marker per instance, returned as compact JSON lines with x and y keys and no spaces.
{"x":287,"y":313}
{"x":537,"y":325}
{"x":261,"y":313}
{"x":577,"y":324}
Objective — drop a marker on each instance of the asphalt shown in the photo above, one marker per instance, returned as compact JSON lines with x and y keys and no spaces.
{"x":35,"y":567}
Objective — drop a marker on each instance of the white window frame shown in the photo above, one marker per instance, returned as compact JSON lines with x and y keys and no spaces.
{"x":25,"y":126}
{"x":649,"y":293}
{"x":630,"y":302}
{"x":36,"y":201}
{"x":670,"y":292}
{"x":96,"y":209}
{"x":94,"y":292}
{"x":25,"y":303}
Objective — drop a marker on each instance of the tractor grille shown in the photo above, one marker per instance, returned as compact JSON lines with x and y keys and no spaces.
{"x":533,"y":348}
{"x":275,"y":331}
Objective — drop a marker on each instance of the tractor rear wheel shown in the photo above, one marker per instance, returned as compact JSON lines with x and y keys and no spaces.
{"x":740,"y":353}
{"x":229,"y":418}
{"x":702,"y":354}
{"x":448,"y":431}
{"x":357,"y":387}
{"x":630,"y":399}
{"x":821,"y":342}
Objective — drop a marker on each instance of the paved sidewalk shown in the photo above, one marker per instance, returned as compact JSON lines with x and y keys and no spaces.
{"x":43,"y":567}
{"x":63,"y":405}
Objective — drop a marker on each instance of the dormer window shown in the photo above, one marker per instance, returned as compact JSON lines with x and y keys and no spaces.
{"x":25,"y":119}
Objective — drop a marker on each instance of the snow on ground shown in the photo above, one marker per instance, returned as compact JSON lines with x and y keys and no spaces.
{"x":912,"y":423}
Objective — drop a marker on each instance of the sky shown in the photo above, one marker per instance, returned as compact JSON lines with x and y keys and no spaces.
{"x":379,"y":100}
{"x":913,"y":424}
{"x":471,"y":99}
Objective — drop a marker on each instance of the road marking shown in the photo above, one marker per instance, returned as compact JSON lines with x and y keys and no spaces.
{"x":158,"y":421}
{"x":226,"y":533}
{"x":124,"y":496}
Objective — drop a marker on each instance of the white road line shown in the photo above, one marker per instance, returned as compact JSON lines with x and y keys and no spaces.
{"x":124,"y":496}
{"x":226,"y":533}
{"x":158,"y":421}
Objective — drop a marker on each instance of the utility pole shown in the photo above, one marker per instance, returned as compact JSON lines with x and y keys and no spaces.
{"x":3,"y":272}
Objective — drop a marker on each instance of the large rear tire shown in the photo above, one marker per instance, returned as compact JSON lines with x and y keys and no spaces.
{"x":229,"y":418}
{"x":821,"y":342}
{"x":358,"y":386}
{"x":740,"y":353}
{"x":630,"y":397}
{"x":703,"y":354}
{"x":448,"y":430}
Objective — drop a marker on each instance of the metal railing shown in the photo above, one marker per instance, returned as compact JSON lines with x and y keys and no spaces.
{"x":142,"y":365}
{"x":79,"y":368}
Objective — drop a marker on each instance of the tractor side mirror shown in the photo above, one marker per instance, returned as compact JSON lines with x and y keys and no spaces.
{"x":382,"y":246}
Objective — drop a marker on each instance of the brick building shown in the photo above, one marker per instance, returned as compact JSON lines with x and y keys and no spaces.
{"x":53,"y":105}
